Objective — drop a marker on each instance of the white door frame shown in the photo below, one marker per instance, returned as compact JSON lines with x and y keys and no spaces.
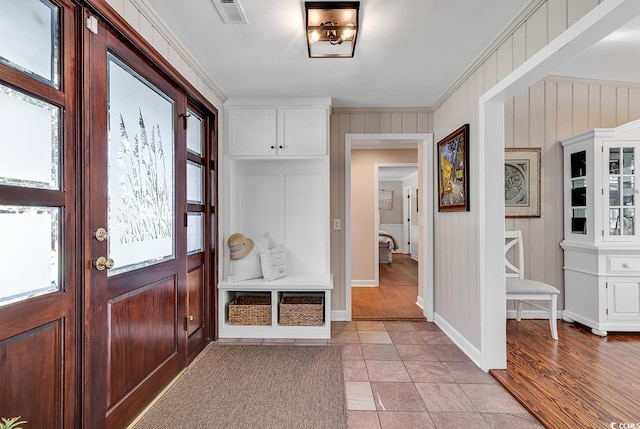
{"x":598,"y":23}
{"x":406,"y":219}
{"x":426,"y":182}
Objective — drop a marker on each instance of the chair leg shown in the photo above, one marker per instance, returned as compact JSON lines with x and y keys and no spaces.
{"x":518,"y":310}
{"x":553,"y":322}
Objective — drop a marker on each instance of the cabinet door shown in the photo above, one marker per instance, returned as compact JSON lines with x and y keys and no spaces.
{"x":302,"y":131}
{"x":621,"y":192}
{"x":623,"y":298}
{"x":252,"y":132}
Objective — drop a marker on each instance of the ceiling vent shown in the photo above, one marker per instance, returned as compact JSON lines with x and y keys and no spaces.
{"x":230,"y":11}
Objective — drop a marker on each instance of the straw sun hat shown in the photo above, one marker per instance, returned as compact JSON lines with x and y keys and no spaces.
{"x":239,"y":245}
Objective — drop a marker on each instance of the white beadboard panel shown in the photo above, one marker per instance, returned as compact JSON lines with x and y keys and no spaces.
{"x":519,"y":46}
{"x":537,"y":30}
{"x":132,"y":14}
{"x":576,"y":9}
{"x":117,"y":5}
{"x":504,"y":56}
{"x":146,"y":29}
{"x":160,"y":43}
{"x":557,"y":18}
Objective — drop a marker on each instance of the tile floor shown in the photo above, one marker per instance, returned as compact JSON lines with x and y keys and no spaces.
{"x":405,"y":374}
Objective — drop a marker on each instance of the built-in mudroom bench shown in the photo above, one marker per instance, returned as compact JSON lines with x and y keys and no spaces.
{"x":276,"y":195}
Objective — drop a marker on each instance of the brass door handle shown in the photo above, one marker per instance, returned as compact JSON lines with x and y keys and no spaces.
{"x":101,"y":263}
{"x":191,"y":318}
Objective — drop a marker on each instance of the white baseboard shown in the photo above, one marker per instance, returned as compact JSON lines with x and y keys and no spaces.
{"x":420,"y":302}
{"x":338,"y":315}
{"x":364,"y":283}
{"x":460,"y":341}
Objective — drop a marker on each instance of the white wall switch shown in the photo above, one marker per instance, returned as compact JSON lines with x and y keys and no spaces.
{"x":337,"y":224}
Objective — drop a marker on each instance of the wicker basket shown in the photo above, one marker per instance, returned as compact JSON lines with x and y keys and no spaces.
{"x":301,"y":310}
{"x":250,"y":310}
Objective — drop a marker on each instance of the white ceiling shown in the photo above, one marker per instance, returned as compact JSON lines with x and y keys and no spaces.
{"x":408,"y":52}
{"x":614,"y":58}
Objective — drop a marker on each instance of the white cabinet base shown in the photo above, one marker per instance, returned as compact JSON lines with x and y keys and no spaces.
{"x":227,"y":292}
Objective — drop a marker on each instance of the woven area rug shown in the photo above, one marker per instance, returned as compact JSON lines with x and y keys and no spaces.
{"x":256,"y":386}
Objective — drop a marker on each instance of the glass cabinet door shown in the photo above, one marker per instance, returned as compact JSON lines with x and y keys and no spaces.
{"x":579,"y":192}
{"x":621,"y":203}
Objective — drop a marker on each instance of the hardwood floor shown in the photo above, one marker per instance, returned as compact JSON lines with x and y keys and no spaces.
{"x":395,"y":298}
{"x":580,"y":381}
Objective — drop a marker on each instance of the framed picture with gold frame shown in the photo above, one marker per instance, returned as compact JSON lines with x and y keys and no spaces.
{"x":522,"y":182}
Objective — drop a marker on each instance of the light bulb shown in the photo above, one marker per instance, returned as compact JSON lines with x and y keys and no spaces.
{"x":347,"y":34}
{"x":314,"y":36}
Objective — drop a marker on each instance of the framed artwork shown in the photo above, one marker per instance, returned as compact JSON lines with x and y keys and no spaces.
{"x":522,"y":182}
{"x":453,"y":173}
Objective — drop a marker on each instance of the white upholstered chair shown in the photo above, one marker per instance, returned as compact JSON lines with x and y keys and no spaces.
{"x":522,"y":290}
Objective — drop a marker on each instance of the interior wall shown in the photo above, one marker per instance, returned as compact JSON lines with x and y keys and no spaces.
{"x":360,"y":121}
{"x":363,"y":204}
{"x":549,"y":111}
{"x":456,"y":235}
{"x":392,"y":215}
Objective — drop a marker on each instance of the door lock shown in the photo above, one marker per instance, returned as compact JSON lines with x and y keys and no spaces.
{"x":100,"y":234}
{"x":101,"y":263}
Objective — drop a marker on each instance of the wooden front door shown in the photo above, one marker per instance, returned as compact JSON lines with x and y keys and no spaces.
{"x":38,"y":205}
{"x":135,"y":232}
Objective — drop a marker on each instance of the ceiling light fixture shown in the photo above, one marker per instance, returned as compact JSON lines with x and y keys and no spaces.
{"x":332,"y":28}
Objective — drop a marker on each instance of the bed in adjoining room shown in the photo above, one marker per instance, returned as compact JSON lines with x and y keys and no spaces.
{"x":386,"y":245}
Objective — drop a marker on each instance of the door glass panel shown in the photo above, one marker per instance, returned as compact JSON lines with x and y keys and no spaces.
{"x":614,"y":221}
{"x":628,"y":161}
{"x":141,"y":171}
{"x":30,"y":43}
{"x":30,"y":145}
{"x":628,"y":190}
{"x":614,"y":191}
{"x":629,"y":221}
{"x":195,"y":228}
{"x":195,"y":185}
{"x":29,"y":266}
{"x":194,"y":133}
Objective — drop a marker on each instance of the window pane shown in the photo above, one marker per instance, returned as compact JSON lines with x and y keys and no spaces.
{"x":194,"y":133}
{"x":614,"y":191}
{"x":29,"y":141}
{"x":195,"y":180}
{"x":141,"y":174}
{"x":195,"y":228}
{"x":628,"y":158}
{"x":629,"y":190}
{"x":29,"y":33}
{"x":29,"y":266}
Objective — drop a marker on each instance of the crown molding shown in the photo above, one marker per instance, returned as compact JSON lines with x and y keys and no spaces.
{"x":381,"y":110}
{"x":149,"y":13}
{"x":584,"y":80}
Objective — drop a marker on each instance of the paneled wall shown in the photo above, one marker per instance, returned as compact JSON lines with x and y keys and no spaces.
{"x":546,"y":113}
{"x":457,"y":289}
{"x":360,"y":121}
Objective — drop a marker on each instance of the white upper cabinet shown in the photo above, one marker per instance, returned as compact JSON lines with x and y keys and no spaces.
{"x":277,"y":130}
{"x":302,"y":131}
{"x":252,"y":132}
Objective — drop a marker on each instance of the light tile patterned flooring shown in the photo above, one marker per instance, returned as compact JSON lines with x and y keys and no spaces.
{"x":405,"y":374}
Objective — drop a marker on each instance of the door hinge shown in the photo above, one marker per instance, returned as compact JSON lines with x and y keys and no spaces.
{"x":185,"y":121}
{"x":92,"y":24}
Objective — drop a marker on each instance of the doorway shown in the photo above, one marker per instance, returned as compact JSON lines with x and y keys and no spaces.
{"x":424,"y":145}
{"x":393,"y":294}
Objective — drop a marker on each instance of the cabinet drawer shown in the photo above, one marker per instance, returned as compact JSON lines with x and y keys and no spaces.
{"x":623,"y":264}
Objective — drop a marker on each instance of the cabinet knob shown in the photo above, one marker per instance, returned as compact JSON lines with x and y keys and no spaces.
{"x":625,"y":265}
{"x":273,"y":147}
{"x":280,"y":147}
